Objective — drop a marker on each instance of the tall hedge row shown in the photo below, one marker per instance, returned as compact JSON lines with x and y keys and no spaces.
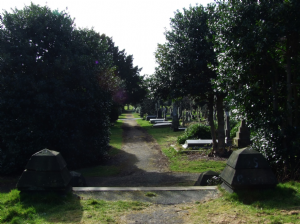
{"x":50,"y":93}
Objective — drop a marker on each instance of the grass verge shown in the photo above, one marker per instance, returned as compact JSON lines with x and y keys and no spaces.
{"x":179,"y":162}
{"x":279,"y":205}
{"x":116,"y":139}
{"x":52,"y":208}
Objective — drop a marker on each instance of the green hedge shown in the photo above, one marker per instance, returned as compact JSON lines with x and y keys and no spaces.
{"x":50,"y":91}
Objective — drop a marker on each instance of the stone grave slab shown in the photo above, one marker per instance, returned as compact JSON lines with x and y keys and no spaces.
{"x":162,"y":125}
{"x":197,"y":143}
{"x":159,"y":122}
{"x":150,"y":117}
{"x":152,"y":121}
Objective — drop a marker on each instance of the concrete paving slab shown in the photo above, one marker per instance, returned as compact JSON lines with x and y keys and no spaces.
{"x":156,"y":195}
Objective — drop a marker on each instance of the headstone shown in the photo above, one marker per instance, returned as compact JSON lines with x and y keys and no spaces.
{"x":242,"y":138}
{"x":247,"y":169}
{"x":227,"y":129}
{"x":175,"y":120}
{"x":159,"y":113}
{"x":150,"y":117}
{"x":165,"y":113}
{"x":189,"y":116}
{"x":202,"y":180}
{"x":46,"y":170}
{"x":186,"y":116}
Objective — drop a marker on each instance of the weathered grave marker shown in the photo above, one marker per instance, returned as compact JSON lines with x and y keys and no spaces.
{"x":202,"y":180}
{"x":159,"y":113}
{"x":46,"y":170}
{"x":242,"y":138}
{"x":150,"y":117}
{"x":247,"y":169}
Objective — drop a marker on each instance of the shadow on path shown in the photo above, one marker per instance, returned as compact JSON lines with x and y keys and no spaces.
{"x":142,"y":163}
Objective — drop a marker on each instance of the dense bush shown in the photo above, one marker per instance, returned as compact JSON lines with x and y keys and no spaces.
{"x":283,"y":160}
{"x":195,"y":131}
{"x":114,"y":113}
{"x":51,"y":95}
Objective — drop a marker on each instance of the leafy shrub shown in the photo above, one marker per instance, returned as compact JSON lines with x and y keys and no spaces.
{"x":195,"y":131}
{"x":283,"y":160}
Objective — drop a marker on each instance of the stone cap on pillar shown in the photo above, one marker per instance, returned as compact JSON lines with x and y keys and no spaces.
{"x":46,"y":160}
{"x":247,"y":158}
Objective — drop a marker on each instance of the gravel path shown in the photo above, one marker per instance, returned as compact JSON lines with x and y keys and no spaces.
{"x":144,"y":165}
{"x":142,"y":162}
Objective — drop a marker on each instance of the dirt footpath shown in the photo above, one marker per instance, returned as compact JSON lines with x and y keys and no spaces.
{"x":142,"y":162}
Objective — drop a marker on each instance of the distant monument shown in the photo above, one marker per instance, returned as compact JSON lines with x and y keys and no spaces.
{"x":242,"y":138}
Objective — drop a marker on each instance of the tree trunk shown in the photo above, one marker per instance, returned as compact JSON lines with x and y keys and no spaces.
{"x":211,"y":121}
{"x":221,"y":132}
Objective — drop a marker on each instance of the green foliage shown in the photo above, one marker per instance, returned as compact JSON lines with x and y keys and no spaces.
{"x":131,"y":90}
{"x":51,"y":95}
{"x":183,"y":60}
{"x":148,"y":106}
{"x":195,"y":131}
{"x":258,"y":54}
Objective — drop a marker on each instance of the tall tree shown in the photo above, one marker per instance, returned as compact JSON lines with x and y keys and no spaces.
{"x":184,"y":63}
{"x":259,"y":64}
{"x":132,"y":90}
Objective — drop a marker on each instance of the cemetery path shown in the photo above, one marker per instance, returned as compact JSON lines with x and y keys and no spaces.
{"x":142,"y":162}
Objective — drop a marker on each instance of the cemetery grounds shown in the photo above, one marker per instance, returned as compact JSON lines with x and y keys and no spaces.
{"x":280,"y":205}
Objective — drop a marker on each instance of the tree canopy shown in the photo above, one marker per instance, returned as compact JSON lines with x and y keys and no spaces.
{"x":57,"y":84}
